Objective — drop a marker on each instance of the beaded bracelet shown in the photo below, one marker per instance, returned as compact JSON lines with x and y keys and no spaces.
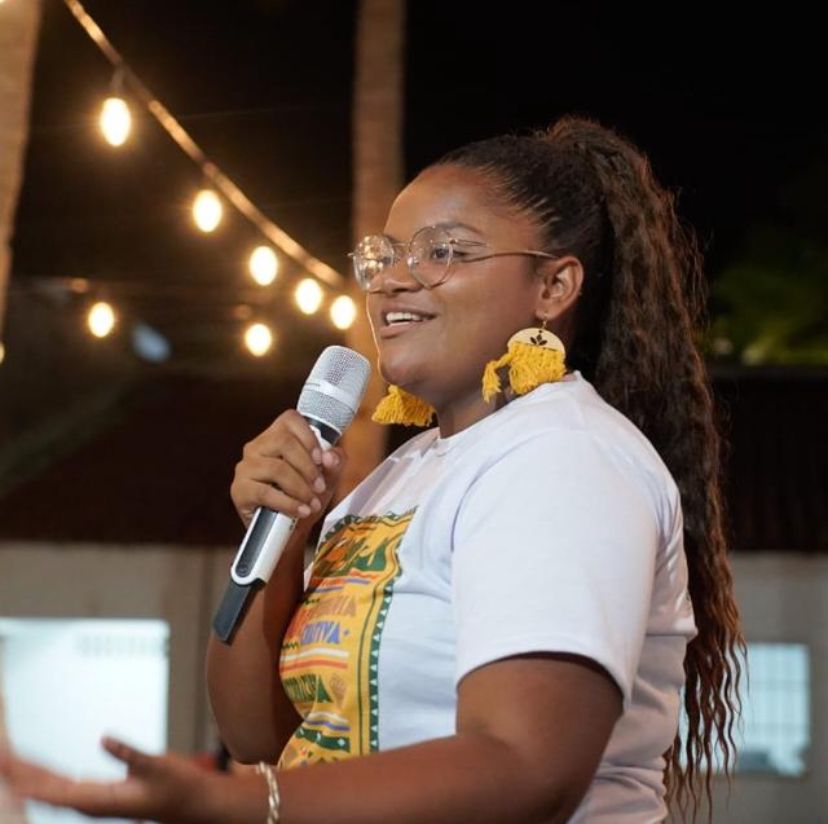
{"x":273,"y":800}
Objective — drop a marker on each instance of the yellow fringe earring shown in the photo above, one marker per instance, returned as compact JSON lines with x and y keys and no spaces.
{"x":534,"y":356}
{"x":399,"y":406}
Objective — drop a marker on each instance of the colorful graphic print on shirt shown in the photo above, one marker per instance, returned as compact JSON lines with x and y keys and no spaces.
{"x":328,"y":663}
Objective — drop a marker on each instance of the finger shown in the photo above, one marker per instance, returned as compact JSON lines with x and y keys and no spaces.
{"x":295,"y":454}
{"x":22,"y":775}
{"x":294,"y":423}
{"x":334,"y":460}
{"x":280,"y":473}
{"x":31,"y":781}
{"x":249,"y":495}
{"x":281,"y":443}
{"x":139,"y":763}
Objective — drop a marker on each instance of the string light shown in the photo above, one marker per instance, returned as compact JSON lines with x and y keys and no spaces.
{"x":207,"y":210}
{"x":343,"y":312}
{"x":308,"y":296}
{"x":263,"y":265}
{"x":115,"y":121}
{"x":258,"y":339}
{"x":101,"y":319}
{"x":216,"y":177}
{"x":208,"y":205}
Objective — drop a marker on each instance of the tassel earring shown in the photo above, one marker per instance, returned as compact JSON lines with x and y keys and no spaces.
{"x":399,"y":406}
{"x":534,"y":356}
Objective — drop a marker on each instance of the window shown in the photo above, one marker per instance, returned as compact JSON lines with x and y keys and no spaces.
{"x":66,"y":682}
{"x":776,"y":710}
{"x":774,"y":733}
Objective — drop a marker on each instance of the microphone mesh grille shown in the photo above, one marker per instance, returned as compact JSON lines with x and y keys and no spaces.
{"x":346,"y":370}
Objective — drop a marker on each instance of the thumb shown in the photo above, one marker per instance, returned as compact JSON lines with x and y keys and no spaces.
{"x":138,"y":762}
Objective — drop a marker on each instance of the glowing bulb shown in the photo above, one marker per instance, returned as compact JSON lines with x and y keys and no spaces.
{"x":101,"y":319}
{"x":308,"y":296}
{"x":343,"y":312}
{"x":115,"y":121}
{"x":2,"y":345}
{"x":207,"y":210}
{"x":263,"y":265}
{"x":258,"y":339}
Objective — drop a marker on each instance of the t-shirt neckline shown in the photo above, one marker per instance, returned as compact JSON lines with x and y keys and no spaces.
{"x":441,"y":446}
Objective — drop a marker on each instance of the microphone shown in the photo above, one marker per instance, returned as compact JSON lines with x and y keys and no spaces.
{"x":328,"y":402}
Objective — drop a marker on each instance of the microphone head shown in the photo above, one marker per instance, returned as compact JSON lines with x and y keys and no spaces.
{"x":334,"y":389}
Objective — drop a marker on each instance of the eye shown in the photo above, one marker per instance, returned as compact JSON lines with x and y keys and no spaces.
{"x":370,"y":267}
{"x":439,"y":252}
{"x":466,"y":248}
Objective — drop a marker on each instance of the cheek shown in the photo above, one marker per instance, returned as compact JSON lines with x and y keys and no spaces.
{"x":488,"y":314}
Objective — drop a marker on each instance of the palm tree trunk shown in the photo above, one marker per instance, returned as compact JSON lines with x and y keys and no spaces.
{"x":18,"y":39}
{"x":378,"y":175}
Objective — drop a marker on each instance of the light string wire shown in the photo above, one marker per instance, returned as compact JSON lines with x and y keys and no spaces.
{"x":235,"y":196}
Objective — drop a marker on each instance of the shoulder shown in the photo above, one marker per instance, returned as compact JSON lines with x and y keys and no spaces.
{"x":565,"y":429}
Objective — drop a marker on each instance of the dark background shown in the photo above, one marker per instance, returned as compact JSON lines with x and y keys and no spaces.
{"x":727,"y":103}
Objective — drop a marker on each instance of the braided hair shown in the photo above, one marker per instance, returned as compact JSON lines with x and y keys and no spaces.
{"x":593,"y":195}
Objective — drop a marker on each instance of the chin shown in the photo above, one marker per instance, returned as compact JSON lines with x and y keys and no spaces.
{"x":396,"y":371}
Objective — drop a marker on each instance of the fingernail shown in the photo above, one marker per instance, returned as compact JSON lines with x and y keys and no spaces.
{"x":317,"y":456}
{"x":316,"y":504}
{"x":304,"y":510}
{"x":319,"y":484}
{"x":333,"y":460}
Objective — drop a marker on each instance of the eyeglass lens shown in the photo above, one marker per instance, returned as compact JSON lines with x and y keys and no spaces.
{"x":428,"y":256}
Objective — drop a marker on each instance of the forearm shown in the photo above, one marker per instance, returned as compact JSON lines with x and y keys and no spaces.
{"x":254,"y":715}
{"x":467,"y":777}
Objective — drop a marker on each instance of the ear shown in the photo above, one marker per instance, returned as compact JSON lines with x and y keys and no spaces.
{"x":559,"y":284}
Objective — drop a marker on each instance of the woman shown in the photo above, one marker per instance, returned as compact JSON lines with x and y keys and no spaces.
{"x":500,"y":615}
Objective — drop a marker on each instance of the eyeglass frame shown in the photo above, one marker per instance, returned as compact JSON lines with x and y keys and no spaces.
{"x":452,"y":241}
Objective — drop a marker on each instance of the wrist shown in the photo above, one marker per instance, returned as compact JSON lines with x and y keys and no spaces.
{"x":226,"y":798}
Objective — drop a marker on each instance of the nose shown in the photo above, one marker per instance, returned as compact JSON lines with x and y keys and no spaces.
{"x":395,"y":278}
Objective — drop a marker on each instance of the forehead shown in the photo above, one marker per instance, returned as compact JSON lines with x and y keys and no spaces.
{"x":455,"y":195}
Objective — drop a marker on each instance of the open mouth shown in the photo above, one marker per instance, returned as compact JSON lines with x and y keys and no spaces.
{"x":392,"y":319}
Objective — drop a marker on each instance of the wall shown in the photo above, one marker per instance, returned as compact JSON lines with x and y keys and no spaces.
{"x":782,"y":598}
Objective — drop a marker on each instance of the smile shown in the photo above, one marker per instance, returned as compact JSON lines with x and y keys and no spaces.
{"x":397,"y":322}
{"x":393,"y":318}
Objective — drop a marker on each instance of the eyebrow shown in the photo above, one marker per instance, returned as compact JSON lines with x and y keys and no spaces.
{"x":444,"y":224}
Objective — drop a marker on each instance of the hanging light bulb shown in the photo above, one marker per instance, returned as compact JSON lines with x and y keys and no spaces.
{"x":207,"y":210}
{"x":343,"y":312}
{"x":101,"y":319}
{"x":115,"y":121}
{"x":263,"y":265}
{"x":258,"y":339}
{"x":308,"y":296}
{"x":2,"y":345}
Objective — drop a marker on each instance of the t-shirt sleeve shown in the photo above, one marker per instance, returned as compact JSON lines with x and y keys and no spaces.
{"x":554,"y":550}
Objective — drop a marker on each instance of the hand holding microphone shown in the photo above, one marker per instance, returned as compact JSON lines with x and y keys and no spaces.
{"x":286,"y":470}
{"x":285,"y":474}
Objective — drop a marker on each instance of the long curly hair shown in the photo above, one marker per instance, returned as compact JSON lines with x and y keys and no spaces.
{"x":643,"y":303}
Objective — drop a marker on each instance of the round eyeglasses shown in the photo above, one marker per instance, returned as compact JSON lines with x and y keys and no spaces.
{"x":429,"y":255}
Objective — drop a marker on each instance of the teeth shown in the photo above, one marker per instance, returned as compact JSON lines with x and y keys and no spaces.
{"x":399,"y":317}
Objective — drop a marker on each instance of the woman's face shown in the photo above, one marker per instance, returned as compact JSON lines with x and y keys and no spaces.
{"x":473,"y":313}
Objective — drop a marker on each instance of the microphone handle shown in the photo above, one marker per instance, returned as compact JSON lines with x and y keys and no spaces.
{"x":260,"y":550}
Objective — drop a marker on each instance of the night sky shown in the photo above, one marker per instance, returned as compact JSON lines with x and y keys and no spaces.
{"x":728,"y":109}
{"x":729,"y":106}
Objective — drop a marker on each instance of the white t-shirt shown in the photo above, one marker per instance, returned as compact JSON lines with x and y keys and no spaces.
{"x":549,"y":525}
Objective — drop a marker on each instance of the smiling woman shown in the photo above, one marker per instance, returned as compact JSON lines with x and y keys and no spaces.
{"x":499,"y":620}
